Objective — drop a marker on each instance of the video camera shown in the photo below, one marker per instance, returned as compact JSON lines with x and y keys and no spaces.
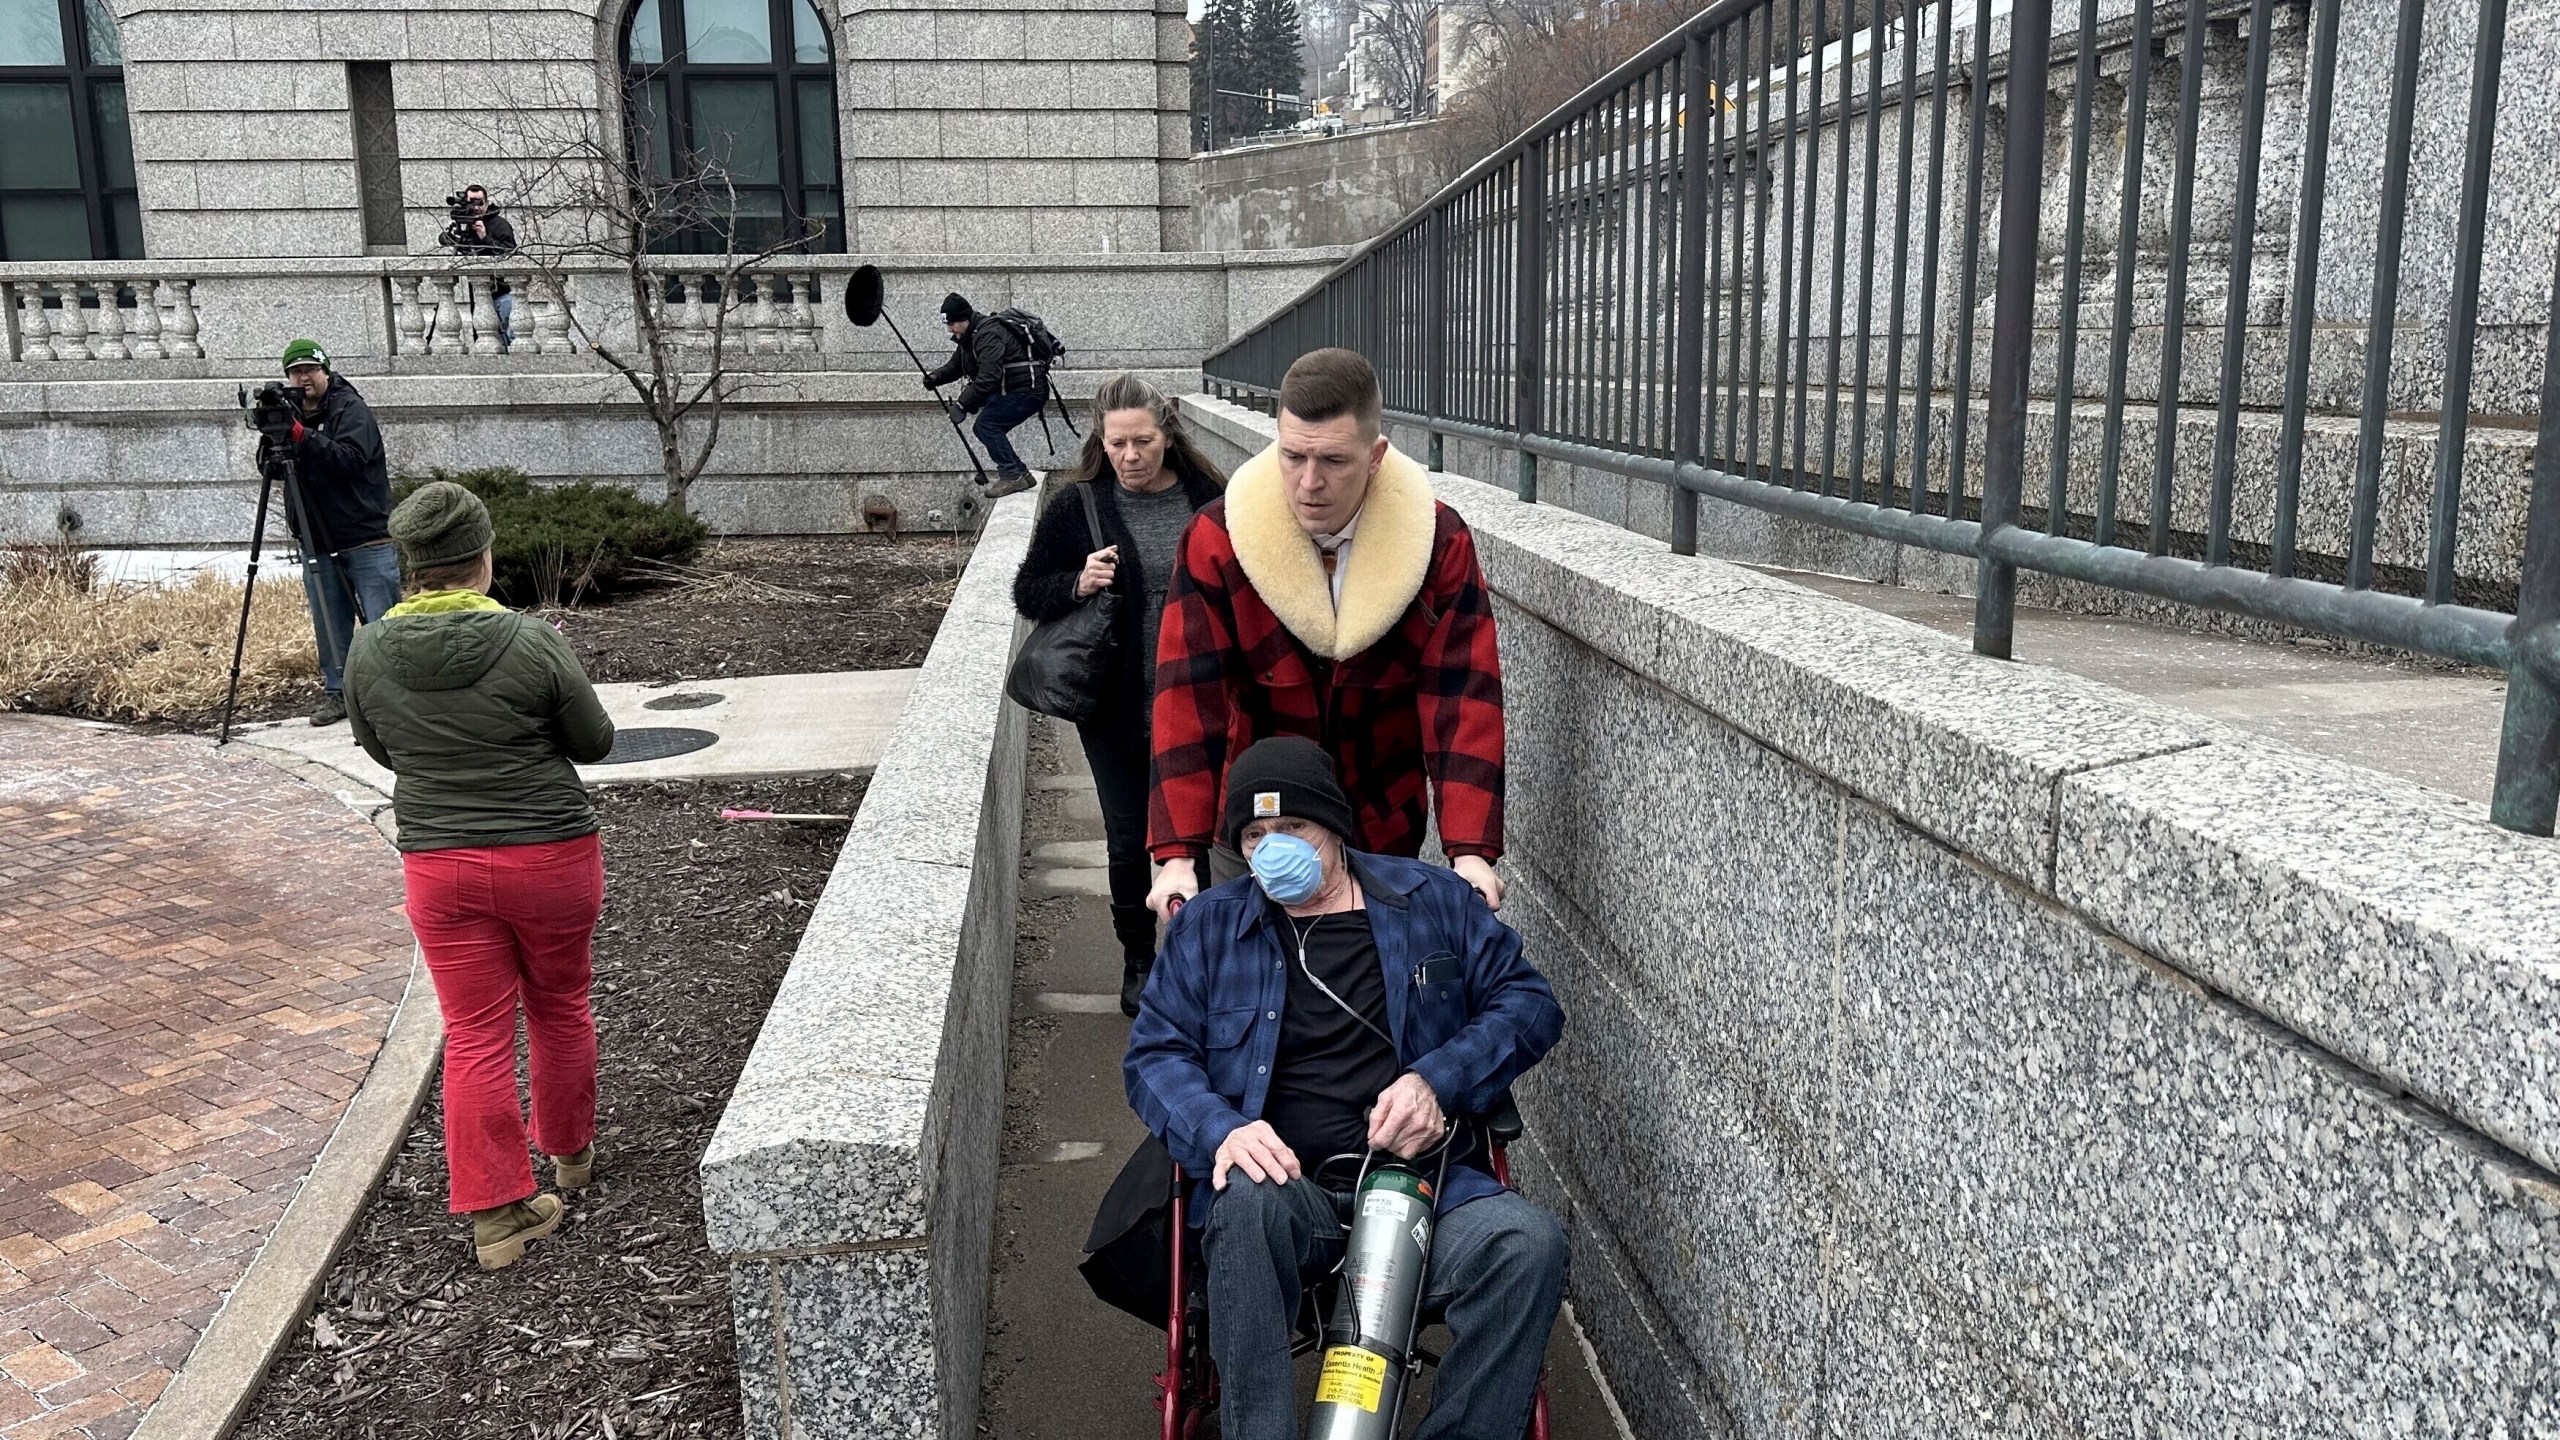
{"x":272,"y":411}
{"x":461,"y":213}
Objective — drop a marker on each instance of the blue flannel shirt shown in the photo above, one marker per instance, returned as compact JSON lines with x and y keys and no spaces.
{"x":1200,"y":1051}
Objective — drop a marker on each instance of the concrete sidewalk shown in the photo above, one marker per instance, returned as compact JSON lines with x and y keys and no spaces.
{"x":2433,"y":724}
{"x":1060,"y":1364}
{"x":766,"y":725}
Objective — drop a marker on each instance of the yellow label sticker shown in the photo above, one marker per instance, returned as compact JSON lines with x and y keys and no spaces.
{"x":1352,"y":1376}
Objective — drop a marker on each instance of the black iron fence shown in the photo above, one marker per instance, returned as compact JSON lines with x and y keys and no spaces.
{"x":1828,"y":259}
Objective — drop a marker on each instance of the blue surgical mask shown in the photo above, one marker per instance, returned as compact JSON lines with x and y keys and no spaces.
{"x":1288,"y":869}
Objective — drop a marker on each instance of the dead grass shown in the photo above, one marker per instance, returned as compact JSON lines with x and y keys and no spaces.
{"x":142,"y":653}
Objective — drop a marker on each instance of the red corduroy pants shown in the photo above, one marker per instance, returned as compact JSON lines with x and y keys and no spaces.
{"x":505,"y":927}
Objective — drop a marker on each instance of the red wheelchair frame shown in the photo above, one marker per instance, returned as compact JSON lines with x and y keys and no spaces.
{"x":1189,"y":1380}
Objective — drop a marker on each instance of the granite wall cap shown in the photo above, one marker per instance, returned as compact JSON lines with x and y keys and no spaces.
{"x":2388,"y":923}
{"x":828,"y":1137}
{"x":817,"y":1162}
{"x":1966,"y":748}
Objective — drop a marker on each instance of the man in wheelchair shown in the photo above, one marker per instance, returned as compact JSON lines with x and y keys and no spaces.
{"x":1331,"y":1004}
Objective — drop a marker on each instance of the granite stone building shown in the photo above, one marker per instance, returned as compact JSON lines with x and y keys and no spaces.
{"x":187,"y":184}
{"x":208,"y":128}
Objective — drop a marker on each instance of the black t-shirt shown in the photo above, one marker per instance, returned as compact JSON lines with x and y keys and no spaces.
{"x":1330,"y":1068}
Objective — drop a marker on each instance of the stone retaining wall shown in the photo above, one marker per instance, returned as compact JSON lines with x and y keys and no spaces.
{"x":851,"y":1181}
{"x":1335,"y":190}
{"x":152,"y":452}
{"x":1960,"y":1047}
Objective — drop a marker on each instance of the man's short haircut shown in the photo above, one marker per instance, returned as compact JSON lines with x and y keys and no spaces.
{"x":1327,"y":383}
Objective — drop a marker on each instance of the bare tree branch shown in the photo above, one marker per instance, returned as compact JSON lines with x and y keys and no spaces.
{"x":1399,"y":38}
{"x":590,"y":206}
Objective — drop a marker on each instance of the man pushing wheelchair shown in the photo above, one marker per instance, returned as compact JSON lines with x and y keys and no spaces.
{"x":1346,"y":1007}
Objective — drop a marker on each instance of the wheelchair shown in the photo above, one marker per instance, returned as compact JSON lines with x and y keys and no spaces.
{"x":1188,"y":1384}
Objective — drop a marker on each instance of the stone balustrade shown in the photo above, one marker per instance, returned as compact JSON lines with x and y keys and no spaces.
{"x":449,"y":311}
{"x":151,"y":451}
{"x":430,"y":314}
{"x":455,"y":312}
{"x":773,"y":312}
{"x":108,"y":317}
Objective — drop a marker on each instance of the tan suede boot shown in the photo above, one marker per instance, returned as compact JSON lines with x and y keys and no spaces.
{"x":500,"y":1235}
{"x":573,"y":1172}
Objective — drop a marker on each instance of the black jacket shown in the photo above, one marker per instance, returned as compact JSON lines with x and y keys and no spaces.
{"x":982,"y":355}
{"x":501,"y":237}
{"x":1045,"y":587}
{"x":344,"y":472}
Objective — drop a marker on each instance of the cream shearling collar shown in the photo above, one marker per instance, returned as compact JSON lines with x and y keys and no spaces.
{"x":1381,"y":574}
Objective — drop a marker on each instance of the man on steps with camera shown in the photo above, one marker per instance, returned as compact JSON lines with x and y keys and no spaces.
{"x":339,"y":509}
{"x":1008,"y":379}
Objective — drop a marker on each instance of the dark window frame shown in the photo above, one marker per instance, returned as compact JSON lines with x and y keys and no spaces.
{"x":784,"y":74}
{"x":83,"y":76}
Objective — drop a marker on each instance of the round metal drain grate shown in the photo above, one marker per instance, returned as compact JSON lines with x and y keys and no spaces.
{"x":686,"y":700}
{"x":656,"y":742}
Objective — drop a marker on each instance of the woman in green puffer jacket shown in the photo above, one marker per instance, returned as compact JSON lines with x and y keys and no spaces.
{"x":483,"y":714}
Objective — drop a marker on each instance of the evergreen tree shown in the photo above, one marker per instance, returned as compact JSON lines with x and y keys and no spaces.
{"x":1275,"y":52}
{"x":1220,"y":59}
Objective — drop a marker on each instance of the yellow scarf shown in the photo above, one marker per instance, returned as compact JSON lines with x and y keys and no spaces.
{"x":441,"y":602}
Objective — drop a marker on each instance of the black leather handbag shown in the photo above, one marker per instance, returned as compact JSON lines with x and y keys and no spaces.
{"x":1066,"y":663}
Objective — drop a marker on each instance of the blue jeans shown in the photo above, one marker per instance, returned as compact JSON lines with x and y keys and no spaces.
{"x":1497,"y":1275}
{"x":1000,"y":414}
{"x":507,"y":319}
{"x":376,"y":569}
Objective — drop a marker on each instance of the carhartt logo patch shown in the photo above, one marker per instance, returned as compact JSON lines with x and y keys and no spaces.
{"x":1266,"y":803}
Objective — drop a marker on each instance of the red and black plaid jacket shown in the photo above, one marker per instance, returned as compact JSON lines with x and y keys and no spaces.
{"x":1421,"y":703}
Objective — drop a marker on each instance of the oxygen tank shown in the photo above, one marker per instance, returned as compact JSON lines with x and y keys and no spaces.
{"x":1369,"y":1343}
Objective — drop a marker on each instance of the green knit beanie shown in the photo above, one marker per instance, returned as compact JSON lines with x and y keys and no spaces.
{"x":440,"y":524}
{"x":305,"y":350}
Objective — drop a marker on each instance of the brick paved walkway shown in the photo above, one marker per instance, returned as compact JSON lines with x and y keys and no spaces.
{"x":198,"y":958}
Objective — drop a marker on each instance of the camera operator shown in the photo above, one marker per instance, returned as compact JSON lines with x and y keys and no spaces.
{"x":343,"y":477}
{"x":478,"y":230}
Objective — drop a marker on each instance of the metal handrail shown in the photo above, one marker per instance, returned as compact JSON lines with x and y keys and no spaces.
{"x":1639,"y":295}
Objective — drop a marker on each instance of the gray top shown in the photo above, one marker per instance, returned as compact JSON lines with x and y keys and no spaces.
{"x":1156,"y":522}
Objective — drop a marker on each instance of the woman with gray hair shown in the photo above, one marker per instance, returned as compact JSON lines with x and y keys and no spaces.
{"x":1147,"y":480}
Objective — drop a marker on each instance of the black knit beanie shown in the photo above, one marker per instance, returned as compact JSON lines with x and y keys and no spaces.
{"x":1285,"y":775}
{"x":955,"y":308}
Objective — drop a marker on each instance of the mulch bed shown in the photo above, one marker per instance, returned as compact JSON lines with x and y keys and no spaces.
{"x":618,"y":1326}
{"x":776,"y":607}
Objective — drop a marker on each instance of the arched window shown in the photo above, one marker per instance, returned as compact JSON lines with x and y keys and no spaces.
{"x":66,"y":167}
{"x":744,"y":87}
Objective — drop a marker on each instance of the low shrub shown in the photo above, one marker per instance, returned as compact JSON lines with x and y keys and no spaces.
{"x":564,"y":544}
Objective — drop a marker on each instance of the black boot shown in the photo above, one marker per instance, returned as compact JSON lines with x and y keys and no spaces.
{"x":1136,"y":927}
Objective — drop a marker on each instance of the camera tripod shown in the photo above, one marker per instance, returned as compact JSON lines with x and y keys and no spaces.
{"x":286,"y":470}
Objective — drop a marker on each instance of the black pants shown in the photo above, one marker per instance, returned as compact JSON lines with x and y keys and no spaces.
{"x":1122,"y":760}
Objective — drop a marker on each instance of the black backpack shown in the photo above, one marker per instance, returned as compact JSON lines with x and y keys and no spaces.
{"x":1044,"y":347}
